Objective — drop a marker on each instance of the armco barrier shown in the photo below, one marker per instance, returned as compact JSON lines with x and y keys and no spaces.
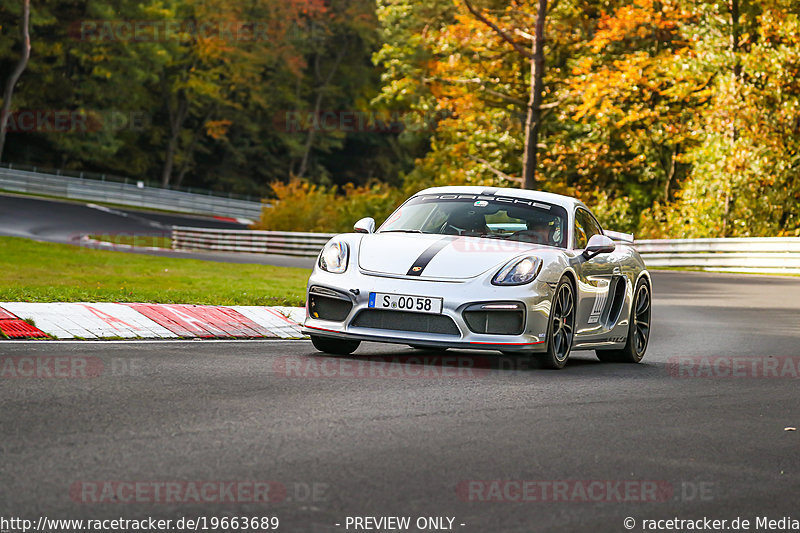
{"x":761,"y":255}
{"x":268,"y":242}
{"x":780,"y":255}
{"x":113,"y":192}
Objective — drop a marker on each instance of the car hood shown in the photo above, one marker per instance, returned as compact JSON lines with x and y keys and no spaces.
{"x":440,"y":256}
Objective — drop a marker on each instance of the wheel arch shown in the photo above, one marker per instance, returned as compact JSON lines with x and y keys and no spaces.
{"x":645,"y":275}
{"x":573,"y":279}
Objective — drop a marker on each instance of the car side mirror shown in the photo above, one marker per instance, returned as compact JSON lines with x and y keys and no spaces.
{"x":598,"y":244}
{"x":365,"y":225}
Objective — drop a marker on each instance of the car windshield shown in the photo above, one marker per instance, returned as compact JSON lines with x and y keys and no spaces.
{"x":494,"y":217}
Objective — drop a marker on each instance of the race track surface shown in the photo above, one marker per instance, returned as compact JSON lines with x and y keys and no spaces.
{"x":400,"y":444}
{"x":65,"y":222}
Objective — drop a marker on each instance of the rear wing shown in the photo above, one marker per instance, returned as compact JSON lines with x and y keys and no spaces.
{"x":617,"y":236}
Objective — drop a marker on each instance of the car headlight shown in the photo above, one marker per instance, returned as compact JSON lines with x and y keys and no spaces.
{"x":518,"y":271}
{"x":334,"y":257}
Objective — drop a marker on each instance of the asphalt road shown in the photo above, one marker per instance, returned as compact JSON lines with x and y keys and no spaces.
{"x":65,"y":222}
{"x":396,"y":444}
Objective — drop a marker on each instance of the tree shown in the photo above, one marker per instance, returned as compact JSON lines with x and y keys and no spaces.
{"x":635,"y":89}
{"x":745,"y":167}
{"x":209,"y":76}
{"x":537,"y":62}
{"x":11,"y":82}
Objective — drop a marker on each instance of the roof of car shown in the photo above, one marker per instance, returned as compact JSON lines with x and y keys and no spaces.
{"x":566,"y":202}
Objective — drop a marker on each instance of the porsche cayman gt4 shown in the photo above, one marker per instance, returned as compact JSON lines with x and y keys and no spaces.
{"x":512,"y":270}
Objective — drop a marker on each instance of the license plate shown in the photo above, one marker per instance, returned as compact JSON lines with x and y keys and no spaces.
{"x":405,"y":302}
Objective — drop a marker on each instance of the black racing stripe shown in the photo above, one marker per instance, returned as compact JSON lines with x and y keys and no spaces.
{"x":426,"y":257}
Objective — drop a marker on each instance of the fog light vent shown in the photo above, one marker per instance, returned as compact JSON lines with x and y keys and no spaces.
{"x":327,"y":304}
{"x":496,"y":318}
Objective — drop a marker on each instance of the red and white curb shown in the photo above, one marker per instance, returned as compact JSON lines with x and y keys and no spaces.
{"x":148,"y":321}
{"x":237,"y":220}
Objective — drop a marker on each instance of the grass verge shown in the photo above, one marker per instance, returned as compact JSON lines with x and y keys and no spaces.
{"x":44,"y":272}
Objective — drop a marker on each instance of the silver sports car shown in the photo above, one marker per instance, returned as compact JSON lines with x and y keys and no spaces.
{"x":492,"y":269}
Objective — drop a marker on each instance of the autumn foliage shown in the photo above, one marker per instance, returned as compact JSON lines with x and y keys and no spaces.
{"x":671,"y":118}
{"x":300,"y":206}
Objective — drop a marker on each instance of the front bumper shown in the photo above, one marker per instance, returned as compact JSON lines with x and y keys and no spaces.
{"x":457,"y":296}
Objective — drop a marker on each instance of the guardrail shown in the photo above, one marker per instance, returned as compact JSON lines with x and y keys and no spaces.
{"x":132,"y":194}
{"x":762,"y":255}
{"x":267,"y":242}
{"x":780,"y":255}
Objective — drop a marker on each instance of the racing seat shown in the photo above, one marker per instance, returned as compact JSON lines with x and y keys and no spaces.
{"x":466,"y":222}
{"x":555,"y":236}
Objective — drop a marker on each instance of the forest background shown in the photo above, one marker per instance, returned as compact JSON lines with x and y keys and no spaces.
{"x":670,"y":118}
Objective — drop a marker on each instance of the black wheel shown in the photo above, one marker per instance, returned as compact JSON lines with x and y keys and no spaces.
{"x":638,"y":331}
{"x":562,"y":326}
{"x":334,"y":346}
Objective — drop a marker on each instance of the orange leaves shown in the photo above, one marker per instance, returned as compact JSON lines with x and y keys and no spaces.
{"x":217,"y":129}
{"x":642,"y":19}
{"x":637,"y":74}
{"x":309,"y":7}
{"x":301,"y":206}
{"x":608,"y":90}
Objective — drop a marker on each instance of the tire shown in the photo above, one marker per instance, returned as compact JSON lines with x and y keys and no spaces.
{"x":561,"y":329}
{"x":638,"y":330}
{"x":334,"y":346}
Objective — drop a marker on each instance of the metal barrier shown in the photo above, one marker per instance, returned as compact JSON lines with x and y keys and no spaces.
{"x":763,"y":255}
{"x":780,"y":255}
{"x":126,"y":194}
{"x":268,"y":242}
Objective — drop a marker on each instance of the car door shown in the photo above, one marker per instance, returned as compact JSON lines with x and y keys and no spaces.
{"x":598,"y":279}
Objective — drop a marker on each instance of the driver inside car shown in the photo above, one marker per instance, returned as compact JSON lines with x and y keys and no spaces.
{"x":467,"y":222}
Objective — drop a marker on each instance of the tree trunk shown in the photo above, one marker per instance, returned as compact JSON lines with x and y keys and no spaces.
{"x":176,"y":121}
{"x":671,"y":171}
{"x":533,"y":121}
{"x":188,"y":160}
{"x":322,"y":87}
{"x":737,"y":75}
{"x":737,"y":65}
{"x":312,"y":131}
{"x":8,"y":91}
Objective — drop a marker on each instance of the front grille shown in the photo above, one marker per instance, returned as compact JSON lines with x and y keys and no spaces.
{"x":403,"y":321}
{"x":494,"y":322}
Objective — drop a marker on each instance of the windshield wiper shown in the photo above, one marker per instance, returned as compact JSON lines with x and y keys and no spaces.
{"x":401,"y":231}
